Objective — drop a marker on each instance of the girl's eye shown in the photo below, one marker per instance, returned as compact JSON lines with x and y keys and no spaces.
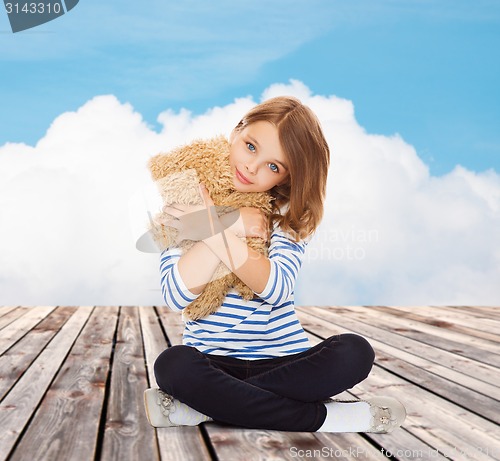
{"x":251,"y":147}
{"x":274,"y":168}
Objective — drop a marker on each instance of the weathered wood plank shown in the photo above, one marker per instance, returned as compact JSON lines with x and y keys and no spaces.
{"x":425,"y":316}
{"x":19,"y":357}
{"x":233,"y":443}
{"x":172,"y":324}
{"x":427,"y":409}
{"x":349,"y":447}
{"x":9,"y":314}
{"x":17,"y":329}
{"x":452,"y":400}
{"x":450,"y":384}
{"x":477,"y":349}
{"x":467,"y":366}
{"x":475,"y":311}
{"x":20,"y":403}
{"x":400,"y":437}
{"x":184,"y":443}
{"x":67,"y":422}
{"x":153,"y":338}
{"x":426,"y":321}
{"x":5,"y":309}
{"x":476,"y":402}
{"x":435,"y":421}
{"x":483,"y":318}
{"x":126,"y":434}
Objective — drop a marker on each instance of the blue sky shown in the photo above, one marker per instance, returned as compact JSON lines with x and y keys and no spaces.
{"x":427,"y":70}
{"x":76,"y":88}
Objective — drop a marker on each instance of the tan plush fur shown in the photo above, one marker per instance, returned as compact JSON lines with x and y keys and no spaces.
{"x":177,"y":175}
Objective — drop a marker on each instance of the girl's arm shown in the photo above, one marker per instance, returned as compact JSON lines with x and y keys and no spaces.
{"x":273,"y":280}
{"x":285,"y":259}
{"x":176,"y":294}
{"x":198,"y":265}
{"x":250,"y":266}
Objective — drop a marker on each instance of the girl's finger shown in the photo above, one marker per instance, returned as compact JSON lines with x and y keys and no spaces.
{"x":207,"y":200}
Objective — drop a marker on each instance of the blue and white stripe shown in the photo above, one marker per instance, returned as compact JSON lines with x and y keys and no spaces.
{"x":264,"y":327}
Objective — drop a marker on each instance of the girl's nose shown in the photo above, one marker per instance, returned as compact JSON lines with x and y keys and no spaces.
{"x":251,"y":168}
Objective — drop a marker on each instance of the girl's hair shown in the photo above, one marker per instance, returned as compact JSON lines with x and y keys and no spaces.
{"x":308,"y":155}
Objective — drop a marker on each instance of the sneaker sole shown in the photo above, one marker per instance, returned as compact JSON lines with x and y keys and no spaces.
{"x":146,"y":407}
{"x":150,"y":398}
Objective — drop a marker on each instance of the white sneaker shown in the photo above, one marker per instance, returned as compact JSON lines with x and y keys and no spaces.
{"x":162,"y":410}
{"x":387,"y":413}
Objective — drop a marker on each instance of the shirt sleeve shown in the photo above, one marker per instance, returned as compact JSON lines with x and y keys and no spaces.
{"x":285,"y":257}
{"x":175,"y":293}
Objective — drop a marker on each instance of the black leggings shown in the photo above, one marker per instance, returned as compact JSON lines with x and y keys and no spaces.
{"x":283,"y":393}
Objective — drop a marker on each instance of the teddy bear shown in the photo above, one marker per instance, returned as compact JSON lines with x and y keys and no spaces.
{"x":177,"y":175}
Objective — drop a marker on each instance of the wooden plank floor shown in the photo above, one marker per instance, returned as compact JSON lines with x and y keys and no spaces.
{"x":72,"y":378}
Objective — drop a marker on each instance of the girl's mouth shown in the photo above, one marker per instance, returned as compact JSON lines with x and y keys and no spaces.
{"x":242,"y":178}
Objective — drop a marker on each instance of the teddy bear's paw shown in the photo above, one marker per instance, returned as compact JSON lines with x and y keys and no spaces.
{"x":257,"y":244}
{"x":162,"y":235}
{"x":207,"y":303}
{"x":221,"y":272}
{"x":244,"y":291}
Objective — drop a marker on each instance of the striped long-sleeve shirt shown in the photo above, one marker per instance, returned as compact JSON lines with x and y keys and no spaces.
{"x":264,"y":327}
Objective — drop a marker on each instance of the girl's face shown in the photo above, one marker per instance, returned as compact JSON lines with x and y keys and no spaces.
{"x":257,"y":160}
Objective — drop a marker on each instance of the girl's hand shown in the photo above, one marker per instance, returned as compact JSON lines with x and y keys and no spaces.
{"x":247,"y":222}
{"x":193,"y":222}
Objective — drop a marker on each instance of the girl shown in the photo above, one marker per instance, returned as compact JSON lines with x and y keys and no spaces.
{"x":250,"y":364}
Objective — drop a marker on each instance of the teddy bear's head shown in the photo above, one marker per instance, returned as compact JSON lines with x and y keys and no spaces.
{"x":178,"y":174}
{"x":208,"y":160}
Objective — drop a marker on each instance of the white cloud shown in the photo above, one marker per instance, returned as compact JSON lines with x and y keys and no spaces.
{"x":392,"y":233}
